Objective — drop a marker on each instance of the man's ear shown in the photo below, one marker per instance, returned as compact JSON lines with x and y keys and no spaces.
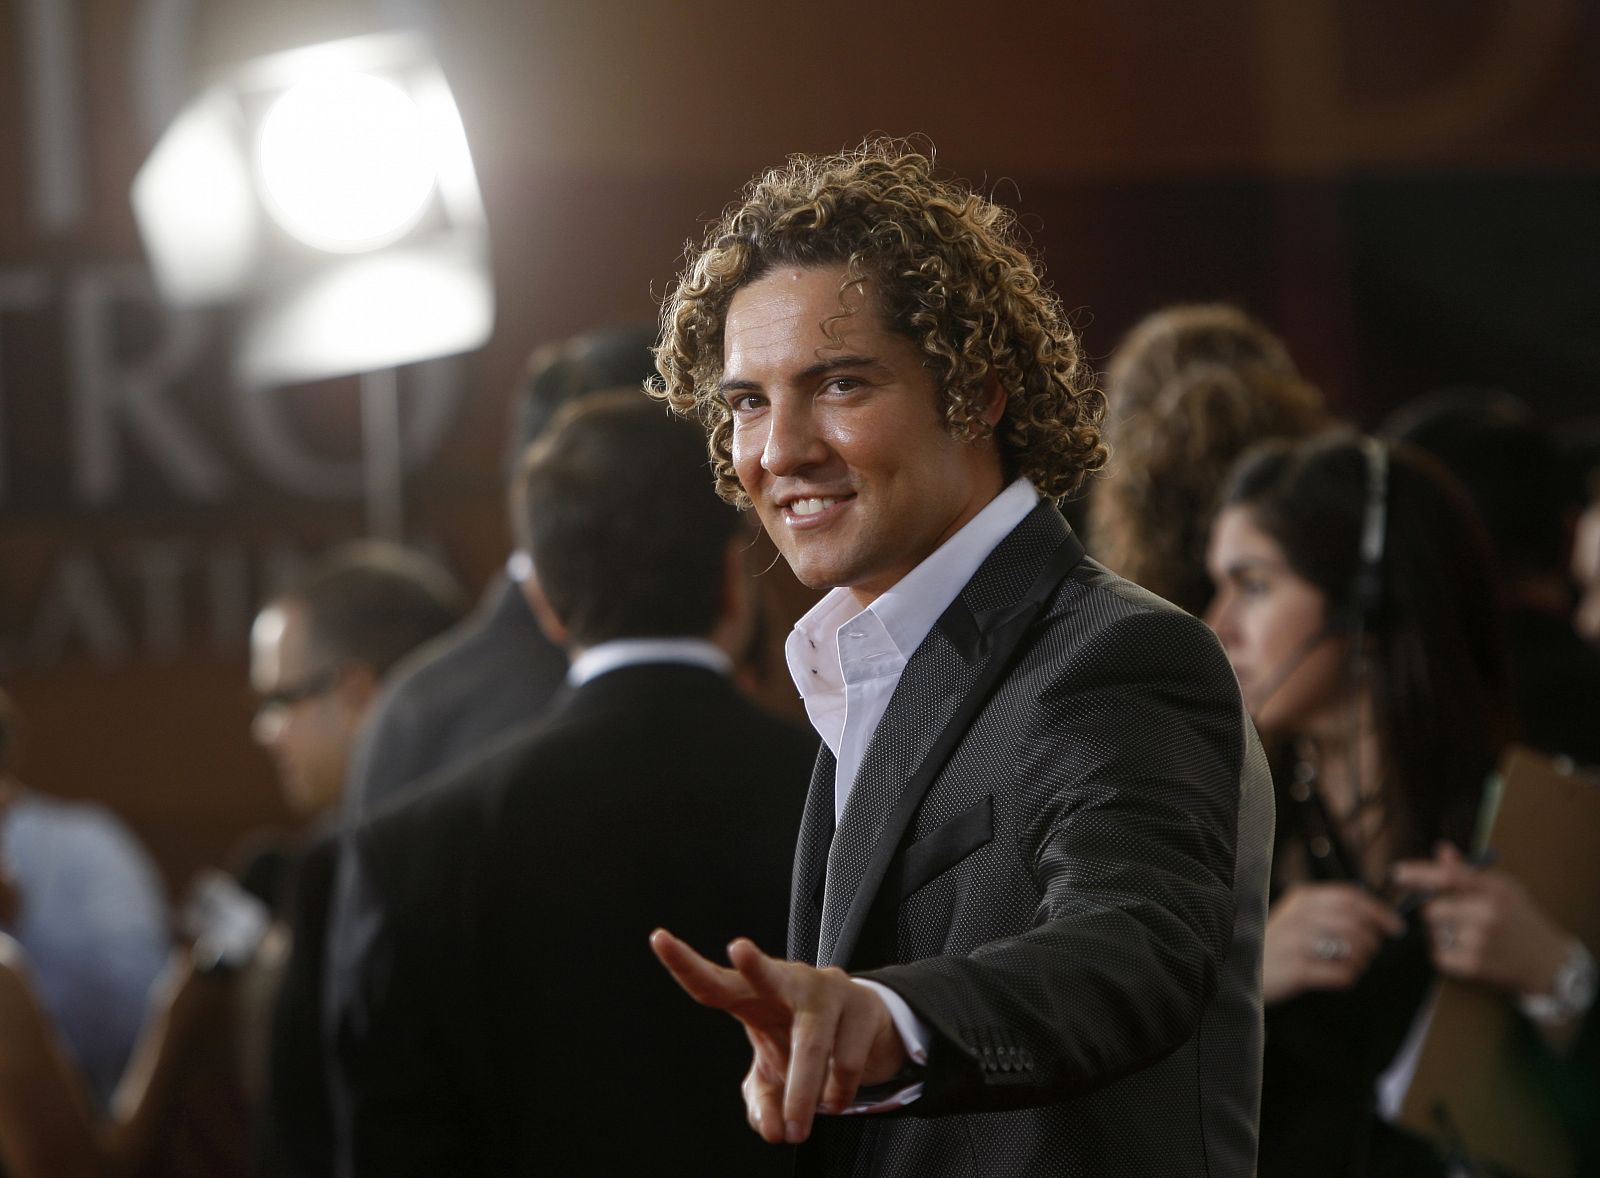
{"x":994,"y":399}
{"x":355,"y":690}
{"x":544,"y":613}
{"x":737,"y":613}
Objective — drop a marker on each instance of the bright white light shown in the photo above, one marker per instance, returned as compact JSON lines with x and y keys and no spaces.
{"x":346,"y":161}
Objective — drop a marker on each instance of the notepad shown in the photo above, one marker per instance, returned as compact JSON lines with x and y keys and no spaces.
{"x":1476,"y":1079}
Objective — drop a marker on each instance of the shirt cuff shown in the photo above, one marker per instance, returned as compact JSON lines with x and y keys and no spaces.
{"x":915,"y":1037}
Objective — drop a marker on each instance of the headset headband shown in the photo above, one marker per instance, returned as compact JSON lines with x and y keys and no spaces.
{"x":1374,"y":529}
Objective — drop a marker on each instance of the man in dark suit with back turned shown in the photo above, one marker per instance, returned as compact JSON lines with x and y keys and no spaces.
{"x":493,"y":994}
{"x":1033,"y":860}
{"x":496,"y":671}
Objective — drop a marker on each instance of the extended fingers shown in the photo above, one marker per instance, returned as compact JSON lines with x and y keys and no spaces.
{"x":830,"y":1032}
{"x":704,"y":981}
{"x":813,"y":1041}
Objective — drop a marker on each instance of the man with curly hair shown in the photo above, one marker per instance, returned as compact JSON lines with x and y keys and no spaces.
{"x":1026,"y":913}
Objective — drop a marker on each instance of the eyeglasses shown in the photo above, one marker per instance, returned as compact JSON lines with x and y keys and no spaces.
{"x":308,"y":688}
{"x":271,"y":705}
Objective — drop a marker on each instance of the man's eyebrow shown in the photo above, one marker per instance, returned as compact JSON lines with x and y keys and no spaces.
{"x":808,"y":373}
{"x":834,"y":363}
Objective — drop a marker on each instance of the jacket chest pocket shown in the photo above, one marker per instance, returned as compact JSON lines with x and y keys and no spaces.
{"x":941,"y":849}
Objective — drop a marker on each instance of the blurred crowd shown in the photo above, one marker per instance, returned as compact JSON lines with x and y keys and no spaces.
{"x":1399,"y":608}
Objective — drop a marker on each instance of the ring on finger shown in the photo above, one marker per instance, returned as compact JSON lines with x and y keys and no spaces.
{"x":1330,"y":949}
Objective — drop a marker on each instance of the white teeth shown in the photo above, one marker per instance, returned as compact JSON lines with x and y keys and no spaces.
{"x":810,"y":506}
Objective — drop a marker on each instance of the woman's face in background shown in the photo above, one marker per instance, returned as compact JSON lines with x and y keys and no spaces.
{"x":1586,"y":570}
{"x":1274,"y":626}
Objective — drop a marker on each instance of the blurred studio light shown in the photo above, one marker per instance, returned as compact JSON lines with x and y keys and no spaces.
{"x":329,"y":194}
{"x":346,"y":161}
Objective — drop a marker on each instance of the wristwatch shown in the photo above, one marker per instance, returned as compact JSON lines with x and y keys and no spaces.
{"x":1572,"y":990}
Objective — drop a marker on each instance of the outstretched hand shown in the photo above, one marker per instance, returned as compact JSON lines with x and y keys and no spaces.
{"x":816,"y":1035}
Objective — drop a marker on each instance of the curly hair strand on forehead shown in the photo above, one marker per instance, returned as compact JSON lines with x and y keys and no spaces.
{"x":947,"y":270}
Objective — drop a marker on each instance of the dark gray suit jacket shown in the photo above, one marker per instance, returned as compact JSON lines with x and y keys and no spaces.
{"x":1057,"y":851}
{"x":453,"y":697}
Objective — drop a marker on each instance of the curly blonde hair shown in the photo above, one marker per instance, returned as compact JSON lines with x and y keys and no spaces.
{"x":949,"y":273}
{"x":1191,"y":388}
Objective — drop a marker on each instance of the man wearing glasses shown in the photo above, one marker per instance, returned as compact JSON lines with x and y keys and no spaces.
{"x":320,"y":649}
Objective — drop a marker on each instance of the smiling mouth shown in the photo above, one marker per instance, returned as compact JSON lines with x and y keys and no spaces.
{"x":807,"y":507}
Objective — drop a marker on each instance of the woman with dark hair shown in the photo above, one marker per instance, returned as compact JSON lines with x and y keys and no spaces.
{"x":1355,"y":601}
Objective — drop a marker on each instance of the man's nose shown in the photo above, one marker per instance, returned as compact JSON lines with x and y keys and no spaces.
{"x":793,"y":441}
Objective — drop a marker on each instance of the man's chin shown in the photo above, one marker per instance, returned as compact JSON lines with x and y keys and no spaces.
{"x":814,"y":574}
{"x":303,"y":800}
{"x":821,"y":562}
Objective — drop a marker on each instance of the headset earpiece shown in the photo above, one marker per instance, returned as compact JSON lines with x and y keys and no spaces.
{"x":1366,"y":588}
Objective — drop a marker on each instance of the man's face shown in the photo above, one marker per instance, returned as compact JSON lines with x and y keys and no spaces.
{"x":303,"y":722}
{"x":839,"y":442}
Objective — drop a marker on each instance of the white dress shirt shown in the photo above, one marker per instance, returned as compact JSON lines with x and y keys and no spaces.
{"x":848,"y":661}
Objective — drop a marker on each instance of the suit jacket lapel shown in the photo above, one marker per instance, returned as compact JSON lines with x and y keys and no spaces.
{"x":935,"y":681}
{"x":946,"y":682}
{"x":811,"y":861}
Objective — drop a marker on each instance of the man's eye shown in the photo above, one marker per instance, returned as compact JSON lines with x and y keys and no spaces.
{"x":844,"y":384}
{"x":1252,"y":586}
{"x":744,"y":402}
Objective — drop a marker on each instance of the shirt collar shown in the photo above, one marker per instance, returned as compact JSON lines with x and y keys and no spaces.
{"x":909,"y":608}
{"x":628,"y":652}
